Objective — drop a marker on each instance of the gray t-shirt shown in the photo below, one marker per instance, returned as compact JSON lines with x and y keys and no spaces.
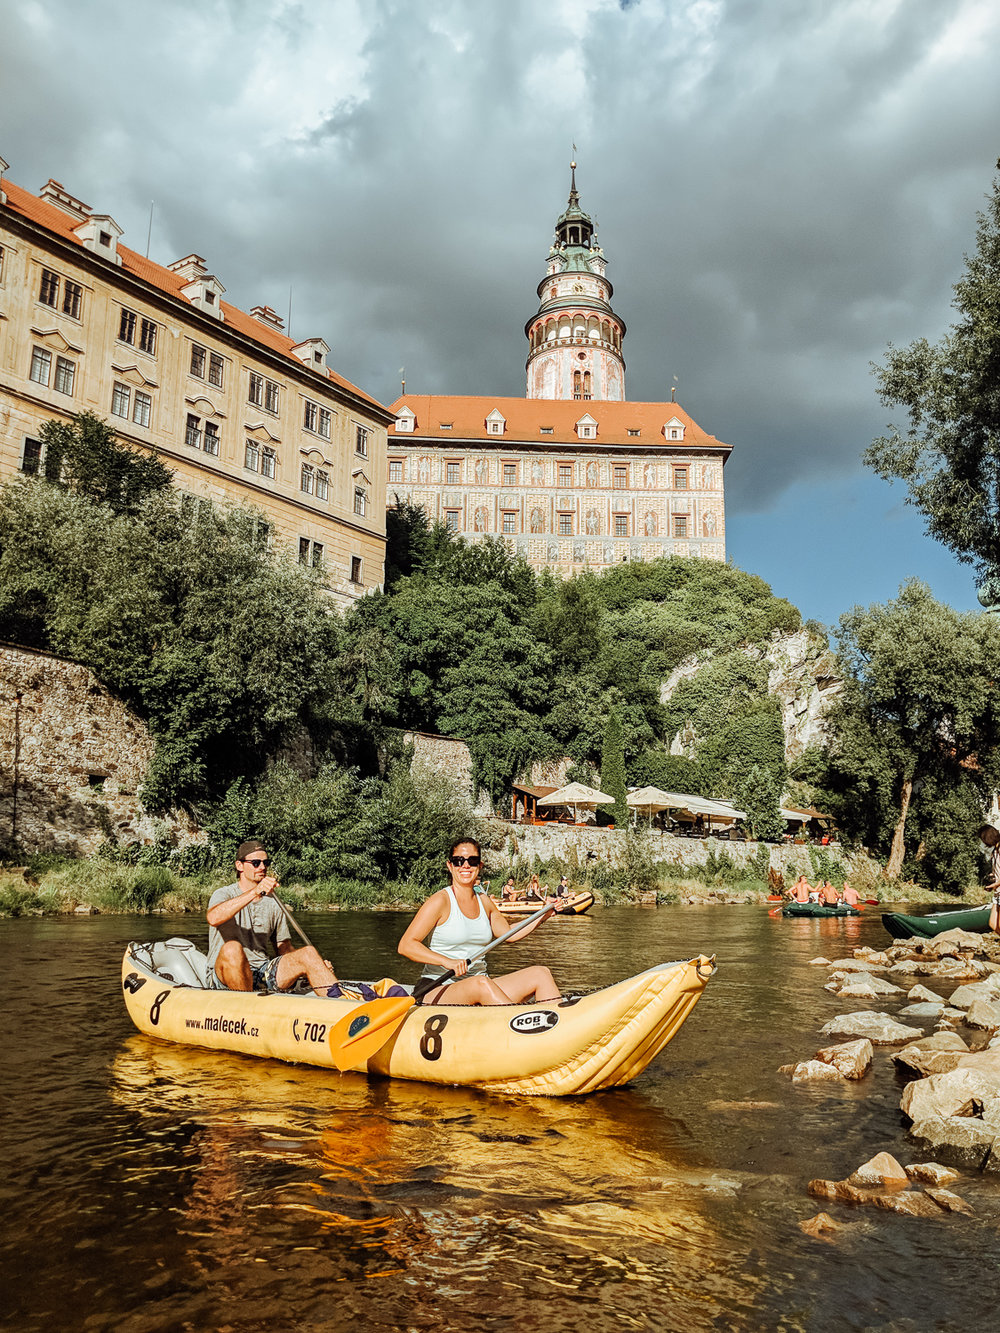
{"x":259,"y":927}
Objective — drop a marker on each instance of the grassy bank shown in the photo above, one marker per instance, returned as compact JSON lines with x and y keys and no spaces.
{"x":56,"y":886}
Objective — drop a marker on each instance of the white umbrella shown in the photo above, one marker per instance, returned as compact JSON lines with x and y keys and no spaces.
{"x":577,"y":794}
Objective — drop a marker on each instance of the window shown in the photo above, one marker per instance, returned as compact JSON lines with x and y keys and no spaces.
{"x":263,"y":393}
{"x":496,"y":427}
{"x":147,"y":337}
{"x":41,"y":365}
{"x":447,"y":425}
{"x":587,"y":390}
{"x":565,"y":525}
{"x":680,"y":478}
{"x":198,"y":358}
{"x":72,"y":299}
{"x":586,"y":432}
{"x":355,"y":569}
{"x":545,"y":430}
{"x":361,"y":434}
{"x":65,"y":375}
{"x":121,"y":396}
{"x":360,"y":500}
{"x":621,"y":525}
{"x":49,"y":291}
{"x":577,"y":384}
{"x":251,"y":457}
{"x":308,"y":481}
{"x":322,"y":484}
{"x":509,"y":474}
{"x":142,"y":411}
{"x":256,"y":459}
{"x":31,"y":459}
{"x":270,"y":396}
{"x":453,"y":473}
{"x":310,"y":552}
{"x":317,"y":554}
{"x":317,"y":419}
{"x":192,"y":432}
{"x":210,"y":439}
{"x":126,"y":326}
{"x":451,"y":520}
{"x":268,"y":462}
{"x":216,"y":366}
{"x":619,"y":478}
{"x":680,"y":525}
{"x":632,"y":432}
{"x":565,"y":474}
{"x":509,"y":523}
{"x":395,"y":469}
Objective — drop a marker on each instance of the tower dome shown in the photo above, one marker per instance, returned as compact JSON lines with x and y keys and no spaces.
{"x":575,"y":338}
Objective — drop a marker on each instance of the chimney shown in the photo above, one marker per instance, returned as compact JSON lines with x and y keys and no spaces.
{"x":265,"y":315}
{"x":54,"y":193}
{"x":189,"y":268}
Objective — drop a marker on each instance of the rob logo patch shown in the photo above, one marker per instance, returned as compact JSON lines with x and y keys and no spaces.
{"x":539,"y":1020}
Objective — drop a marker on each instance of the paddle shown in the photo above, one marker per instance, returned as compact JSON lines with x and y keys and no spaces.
{"x":367,"y":1028}
{"x":292,"y":921}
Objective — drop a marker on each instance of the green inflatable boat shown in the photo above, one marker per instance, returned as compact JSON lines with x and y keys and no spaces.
{"x":818,"y":909}
{"x":902,"y":927}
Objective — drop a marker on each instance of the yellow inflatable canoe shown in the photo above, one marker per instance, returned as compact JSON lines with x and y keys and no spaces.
{"x":557,"y":1049}
{"x":575,"y":905}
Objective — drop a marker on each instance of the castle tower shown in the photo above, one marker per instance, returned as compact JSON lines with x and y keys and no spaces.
{"x":575,"y":339}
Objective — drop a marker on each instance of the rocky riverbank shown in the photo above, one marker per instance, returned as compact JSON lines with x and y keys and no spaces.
{"x":943,"y":1036}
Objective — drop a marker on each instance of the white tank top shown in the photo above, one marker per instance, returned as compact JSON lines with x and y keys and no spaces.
{"x":458,"y":936}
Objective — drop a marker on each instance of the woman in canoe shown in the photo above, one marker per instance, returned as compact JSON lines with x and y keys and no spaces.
{"x":460,"y":920}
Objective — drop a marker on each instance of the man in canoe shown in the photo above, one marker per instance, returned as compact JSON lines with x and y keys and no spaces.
{"x":245,"y":923}
{"x":828,"y":895}
{"x":851,"y":895}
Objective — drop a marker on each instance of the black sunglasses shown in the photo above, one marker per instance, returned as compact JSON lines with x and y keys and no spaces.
{"x":257,"y":864}
{"x":466,"y":860}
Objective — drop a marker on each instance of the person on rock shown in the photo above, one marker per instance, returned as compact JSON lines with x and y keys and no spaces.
{"x":460,"y":920}
{"x":989,"y":842}
{"x":246,"y":924}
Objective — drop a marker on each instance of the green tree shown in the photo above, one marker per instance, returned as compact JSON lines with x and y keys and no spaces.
{"x":613,"y":769}
{"x":949,"y":454}
{"x":920,"y":705}
{"x":759,"y":794}
{"x":85,"y":456}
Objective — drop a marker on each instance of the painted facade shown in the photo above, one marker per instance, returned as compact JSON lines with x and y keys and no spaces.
{"x":238,"y":410}
{"x":573,"y":475}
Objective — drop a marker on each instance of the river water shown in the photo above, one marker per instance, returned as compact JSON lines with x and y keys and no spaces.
{"x":151,"y":1187}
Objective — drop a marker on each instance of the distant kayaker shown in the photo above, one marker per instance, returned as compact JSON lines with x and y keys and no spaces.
{"x":851,"y":895}
{"x":534,"y":893}
{"x":828,"y":895}
{"x":460,"y":919}
{"x":800,"y":890}
{"x":562,"y":888}
{"x":245,"y":923}
{"x":509,"y":890}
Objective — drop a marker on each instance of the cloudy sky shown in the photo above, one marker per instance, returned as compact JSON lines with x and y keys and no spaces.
{"x":782,"y":188}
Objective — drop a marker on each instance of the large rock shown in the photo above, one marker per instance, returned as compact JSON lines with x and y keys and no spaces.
{"x":851,"y":1059}
{"x":983,"y":1014}
{"x":951,"y":1203}
{"x":964,"y":996}
{"x":955,"y":941}
{"x":807,"y":1071}
{"x":975,"y":1079}
{"x":880,"y":1172}
{"x":921,"y":1011}
{"x":944,"y":969}
{"x":920,"y":993}
{"x":880,"y":1029}
{"x":821,"y":1227}
{"x":857,"y":965}
{"x":931,"y":1173}
{"x":868,"y":988}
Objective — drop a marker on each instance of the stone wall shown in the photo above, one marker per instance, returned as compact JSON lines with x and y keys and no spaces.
{"x":72,"y":758}
{"x":449,"y":757}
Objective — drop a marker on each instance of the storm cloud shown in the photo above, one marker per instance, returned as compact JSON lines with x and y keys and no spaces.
{"x":782,"y":189}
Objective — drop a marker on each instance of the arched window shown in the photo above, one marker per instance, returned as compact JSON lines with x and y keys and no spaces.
{"x":577,"y":384}
{"x":586,"y":384}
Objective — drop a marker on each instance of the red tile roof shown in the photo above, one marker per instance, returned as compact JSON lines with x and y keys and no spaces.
{"x":525,"y":418}
{"x":58,"y":221}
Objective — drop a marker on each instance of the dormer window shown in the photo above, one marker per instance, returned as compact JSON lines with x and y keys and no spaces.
{"x":674,"y":429}
{"x":312,"y":353}
{"x":405,"y":421}
{"x":495,"y":423}
{"x":586,"y":427}
{"x":100,"y":234}
{"x":202,"y":289}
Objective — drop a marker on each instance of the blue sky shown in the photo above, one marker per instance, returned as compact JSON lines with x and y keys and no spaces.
{"x":782,"y":190}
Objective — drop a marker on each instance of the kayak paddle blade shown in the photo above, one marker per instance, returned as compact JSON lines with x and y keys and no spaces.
{"x":366,"y":1029}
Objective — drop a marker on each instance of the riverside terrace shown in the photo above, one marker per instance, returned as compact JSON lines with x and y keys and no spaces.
{"x":681,"y":814}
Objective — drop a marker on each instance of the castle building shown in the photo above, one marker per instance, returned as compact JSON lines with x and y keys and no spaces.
{"x":236,"y":408}
{"x":573,"y":475}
